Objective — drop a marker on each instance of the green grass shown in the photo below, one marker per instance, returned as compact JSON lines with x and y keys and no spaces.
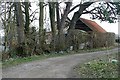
{"x":99,"y":68}
{"x":99,"y":49}
{"x":16,"y":61}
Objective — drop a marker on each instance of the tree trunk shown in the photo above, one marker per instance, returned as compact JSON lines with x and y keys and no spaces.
{"x":77,"y":14}
{"x":4,"y":22}
{"x":58,"y":15}
{"x":76,"y":17}
{"x":41,"y":13}
{"x":52,"y":21}
{"x":20,"y":29}
{"x":20,"y":21}
{"x":11,"y":26}
{"x":27,"y":18}
{"x":74,"y":20}
{"x":61,"y":34}
{"x":52,"y":17}
{"x":64,"y":17}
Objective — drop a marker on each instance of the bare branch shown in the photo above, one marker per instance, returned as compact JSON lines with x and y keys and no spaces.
{"x":34,"y":12}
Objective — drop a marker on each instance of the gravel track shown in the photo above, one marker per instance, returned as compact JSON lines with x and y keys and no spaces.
{"x":56,"y":67}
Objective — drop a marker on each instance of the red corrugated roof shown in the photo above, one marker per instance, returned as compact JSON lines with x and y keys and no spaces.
{"x":93,"y":25}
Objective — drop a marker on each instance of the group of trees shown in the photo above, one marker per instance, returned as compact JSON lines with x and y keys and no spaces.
{"x":26,"y":41}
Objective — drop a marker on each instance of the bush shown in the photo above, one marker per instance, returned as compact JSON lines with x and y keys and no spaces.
{"x":97,"y":40}
{"x":75,"y":38}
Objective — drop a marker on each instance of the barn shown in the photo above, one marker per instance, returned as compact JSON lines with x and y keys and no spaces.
{"x":98,"y":37}
{"x":89,"y":26}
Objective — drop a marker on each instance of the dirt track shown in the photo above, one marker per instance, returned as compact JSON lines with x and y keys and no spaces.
{"x":58,"y":67}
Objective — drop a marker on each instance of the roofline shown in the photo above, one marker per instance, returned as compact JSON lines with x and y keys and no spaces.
{"x":103,"y":30}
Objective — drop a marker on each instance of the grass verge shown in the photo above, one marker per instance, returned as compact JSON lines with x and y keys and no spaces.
{"x":104,"y":67}
{"x":16,"y":61}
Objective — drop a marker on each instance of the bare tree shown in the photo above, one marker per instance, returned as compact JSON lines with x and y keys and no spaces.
{"x":61,"y":25}
{"x":19,"y":22}
{"x":27,"y":16}
{"x":77,"y":14}
{"x":52,"y":21}
{"x":58,"y":15}
{"x":52,"y":17}
{"x":41,"y":17}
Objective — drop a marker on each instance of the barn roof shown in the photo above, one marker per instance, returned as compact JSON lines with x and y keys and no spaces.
{"x":92,"y":25}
